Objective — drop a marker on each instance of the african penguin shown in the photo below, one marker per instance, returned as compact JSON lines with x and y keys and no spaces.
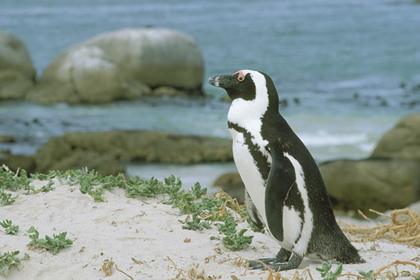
{"x":284,"y":188}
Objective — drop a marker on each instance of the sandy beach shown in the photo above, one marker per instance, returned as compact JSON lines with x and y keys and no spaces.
{"x":143,"y":239}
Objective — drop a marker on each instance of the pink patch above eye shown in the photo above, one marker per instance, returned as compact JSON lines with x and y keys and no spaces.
{"x":241,"y":76}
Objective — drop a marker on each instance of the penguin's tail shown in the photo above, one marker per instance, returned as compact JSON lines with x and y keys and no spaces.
{"x":334,"y":245}
{"x":345,"y":252}
{"x":349,"y":254}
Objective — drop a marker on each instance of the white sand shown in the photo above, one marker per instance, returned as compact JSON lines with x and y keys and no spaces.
{"x":146,"y":241}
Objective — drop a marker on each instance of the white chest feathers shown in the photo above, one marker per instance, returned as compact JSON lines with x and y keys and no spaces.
{"x":297,"y":225}
{"x":249,"y":172}
{"x":246,"y":116}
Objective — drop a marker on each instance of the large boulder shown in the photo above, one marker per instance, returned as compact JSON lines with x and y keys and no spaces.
{"x":17,"y":73}
{"x":403,"y":141}
{"x":124,"y":64}
{"x":380,"y":184}
{"x":85,"y":74}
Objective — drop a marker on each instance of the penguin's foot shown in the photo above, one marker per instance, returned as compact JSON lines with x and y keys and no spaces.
{"x":282,"y":257}
{"x":278,"y":263}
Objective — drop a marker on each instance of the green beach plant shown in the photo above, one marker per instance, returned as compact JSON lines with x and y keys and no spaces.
{"x":326,"y":272}
{"x":195,"y":224}
{"x":8,"y":260}
{"x":10,"y":228}
{"x":54,"y":244}
{"x":233,"y":239}
{"x":6,"y":198}
{"x":369,"y":275}
{"x":14,"y":181}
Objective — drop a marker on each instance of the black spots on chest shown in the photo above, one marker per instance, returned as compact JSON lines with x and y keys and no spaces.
{"x":260,"y":159}
{"x":294,"y":199}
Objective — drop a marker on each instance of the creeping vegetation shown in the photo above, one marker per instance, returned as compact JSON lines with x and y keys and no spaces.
{"x":6,"y":198}
{"x":10,"y":228}
{"x":8,"y":260}
{"x":326,"y":272}
{"x":234,"y":240}
{"x":195,"y":223}
{"x":54,"y":244}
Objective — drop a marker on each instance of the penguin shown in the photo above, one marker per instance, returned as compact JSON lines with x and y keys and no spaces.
{"x":285,"y":192}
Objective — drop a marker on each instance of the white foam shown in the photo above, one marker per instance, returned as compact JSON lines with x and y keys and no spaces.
{"x":324,"y":138}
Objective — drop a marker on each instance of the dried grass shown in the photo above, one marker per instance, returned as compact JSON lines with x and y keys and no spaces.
{"x":404,"y":227}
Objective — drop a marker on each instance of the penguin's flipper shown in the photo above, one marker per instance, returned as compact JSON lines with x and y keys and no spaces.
{"x":253,"y":213}
{"x":280,"y":181}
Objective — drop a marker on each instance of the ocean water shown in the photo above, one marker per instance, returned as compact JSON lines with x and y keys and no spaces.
{"x":347,"y":69}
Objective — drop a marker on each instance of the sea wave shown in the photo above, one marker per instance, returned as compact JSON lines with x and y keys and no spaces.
{"x":325,"y":138}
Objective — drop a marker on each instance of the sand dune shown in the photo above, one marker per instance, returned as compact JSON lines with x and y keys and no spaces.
{"x":143,"y":239}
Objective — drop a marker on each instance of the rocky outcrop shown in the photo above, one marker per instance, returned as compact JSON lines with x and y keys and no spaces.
{"x":403,"y":141}
{"x":152,"y":147}
{"x":389,"y":179}
{"x":231,"y":183}
{"x":106,"y":152}
{"x":17,"y":73}
{"x":57,"y":154}
{"x":122,"y":65}
{"x":15,"y":162}
{"x":379,"y":184}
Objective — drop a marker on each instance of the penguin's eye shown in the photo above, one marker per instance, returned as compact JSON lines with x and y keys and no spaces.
{"x":241,"y":76}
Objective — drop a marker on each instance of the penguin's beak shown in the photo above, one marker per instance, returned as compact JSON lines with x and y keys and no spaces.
{"x":224,"y":81}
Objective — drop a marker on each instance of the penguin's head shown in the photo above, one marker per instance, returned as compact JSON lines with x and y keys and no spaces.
{"x":238,"y":85}
{"x":248,"y":85}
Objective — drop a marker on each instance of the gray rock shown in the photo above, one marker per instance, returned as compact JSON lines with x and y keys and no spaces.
{"x":15,"y":162}
{"x":149,"y":146}
{"x":155,"y":56}
{"x":103,"y":164}
{"x":122,"y":65}
{"x":47,"y":157}
{"x":231,"y":183}
{"x":106,"y":152}
{"x":7,"y":139}
{"x":403,"y":141}
{"x":85,"y":74}
{"x":379,"y":184}
{"x":415,"y":207}
{"x":168,"y":91}
{"x":17,"y":73}
{"x":57,"y":154}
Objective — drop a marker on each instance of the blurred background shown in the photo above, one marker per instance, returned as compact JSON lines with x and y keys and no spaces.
{"x":346,"y":71}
